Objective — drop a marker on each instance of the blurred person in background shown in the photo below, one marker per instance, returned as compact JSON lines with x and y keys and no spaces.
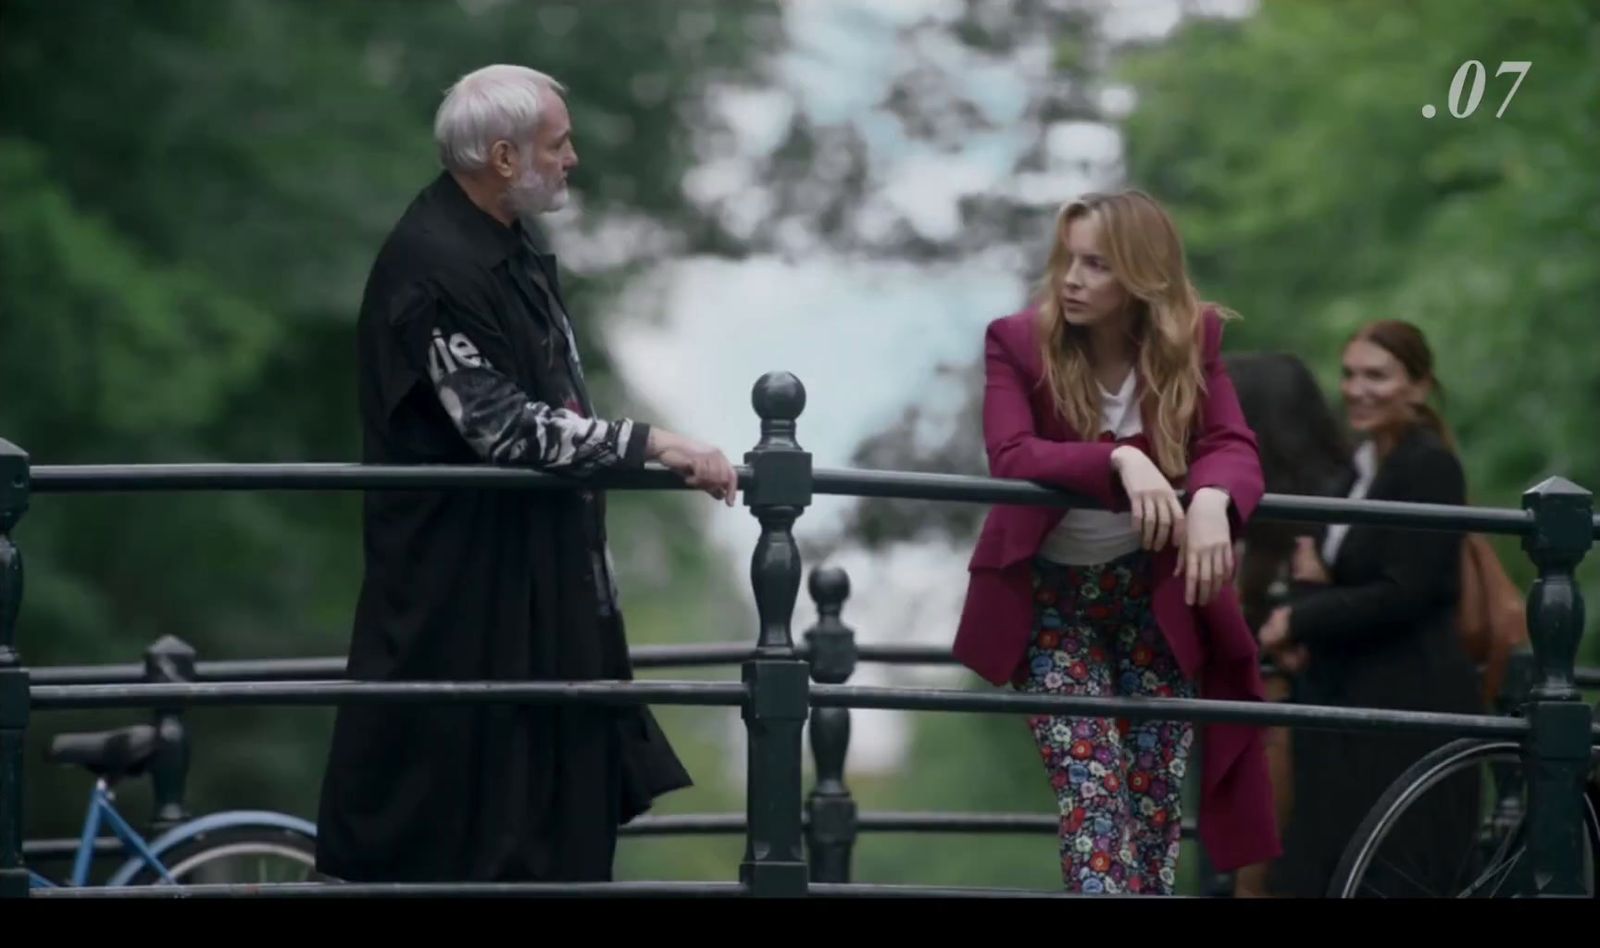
{"x":1375,"y":609}
{"x":1303,"y":453}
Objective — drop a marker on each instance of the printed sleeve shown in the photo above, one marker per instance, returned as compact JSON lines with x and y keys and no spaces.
{"x":465,"y":357}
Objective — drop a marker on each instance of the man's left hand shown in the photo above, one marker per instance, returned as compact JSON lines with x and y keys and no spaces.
{"x":701,"y":466}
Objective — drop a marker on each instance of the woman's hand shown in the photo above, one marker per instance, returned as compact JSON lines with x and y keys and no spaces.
{"x":1293,"y":660}
{"x":1274,"y":633}
{"x":1206,"y":547}
{"x":1307,"y":565}
{"x":1157,"y":515}
{"x":1275,"y":641}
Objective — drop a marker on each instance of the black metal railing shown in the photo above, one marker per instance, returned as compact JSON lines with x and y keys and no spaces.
{"x":831,"y":820}
{"x":783,"y":684}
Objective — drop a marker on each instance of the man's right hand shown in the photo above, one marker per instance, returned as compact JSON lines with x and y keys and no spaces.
{"x":701,"y":466}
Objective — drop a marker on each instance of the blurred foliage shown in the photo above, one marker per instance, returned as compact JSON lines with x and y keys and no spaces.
{"x":194,"y":189}
{"x":193,"y":192}
{"x":1314,"y":196}
{"x":1323,"y":199}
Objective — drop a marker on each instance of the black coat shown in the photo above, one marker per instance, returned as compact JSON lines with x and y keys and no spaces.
{"x":1382,"y":635}
{"x":479,"y":585}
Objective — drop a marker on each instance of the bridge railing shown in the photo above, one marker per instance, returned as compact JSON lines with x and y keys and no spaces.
{"x":776,"y":693}
{"x":831,"y":820}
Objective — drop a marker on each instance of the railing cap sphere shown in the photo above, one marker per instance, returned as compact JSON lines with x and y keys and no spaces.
{"x":778,"y":396}
{"x":830,"y":586}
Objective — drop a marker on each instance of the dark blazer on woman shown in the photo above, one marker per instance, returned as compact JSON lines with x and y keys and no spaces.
{"x":1382,"y":635}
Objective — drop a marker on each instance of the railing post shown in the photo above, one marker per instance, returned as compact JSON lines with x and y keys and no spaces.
{"x":831,"y":832}
{"x":1557,"y":754}
{"x":13,"y":677}
{"x":775,"y":713}
{"x":169,"y":659}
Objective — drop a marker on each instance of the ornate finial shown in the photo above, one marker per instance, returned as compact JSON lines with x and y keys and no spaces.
{"x":778,"y":396}
{"x":1563,"y":517}
{"x":830,"y":587}
{"x":13,"y":485}
{"x":832,"y":643}
{"x":169,"y":658}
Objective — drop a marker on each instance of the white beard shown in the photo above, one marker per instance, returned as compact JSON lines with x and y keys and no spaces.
{"x":531,"y":194}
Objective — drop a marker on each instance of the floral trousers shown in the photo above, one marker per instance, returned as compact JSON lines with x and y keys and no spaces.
{"x":1118,"y":783}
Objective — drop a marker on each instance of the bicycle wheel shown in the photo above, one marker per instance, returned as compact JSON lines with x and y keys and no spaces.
{"x":238,"y":855}
{"x":1377,"y":864}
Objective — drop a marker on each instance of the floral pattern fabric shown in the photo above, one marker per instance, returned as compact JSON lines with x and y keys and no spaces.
{"x":1118,"y":783}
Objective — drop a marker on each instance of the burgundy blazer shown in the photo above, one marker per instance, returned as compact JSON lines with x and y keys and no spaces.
{"x":1027,"y":439}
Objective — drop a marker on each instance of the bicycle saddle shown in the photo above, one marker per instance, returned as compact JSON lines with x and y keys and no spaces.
{"x":123,"y":752}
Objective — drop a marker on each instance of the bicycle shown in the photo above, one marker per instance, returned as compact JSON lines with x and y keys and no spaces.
{"x":1490,"y":862}
{"x":234,"y":846}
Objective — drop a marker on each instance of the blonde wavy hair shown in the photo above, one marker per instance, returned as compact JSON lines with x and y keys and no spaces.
{"x":1145,"y":253}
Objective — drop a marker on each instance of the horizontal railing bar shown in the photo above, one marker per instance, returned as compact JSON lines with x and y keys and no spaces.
{"x":709,"y":824}
{"x":893,"y":654}
{"x":691,"y":824}
{"x":272,"y":669}
{"x":644,"y":656}
{"x":313,"y":669}
{"x":243,"y":669}
{"x":712,"y":824}
{"x":54,"y":478}
{"x":699,"y":693}
{"x":42,"y":675}
{"x":686,"y":824}
{"x":346,"y":890}
{"x":959,"y":823}
{"x":979,"y":823}
{"x":909,"y":485}
{"x":1280,"y":507}
{"x":687,"y":656}
{"x":106,"y":478}
{"x":1289,"y":508}
{"x":879,"y":890}
{"x":1201,"y":710}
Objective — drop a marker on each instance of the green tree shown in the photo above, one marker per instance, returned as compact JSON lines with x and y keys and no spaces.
{"x":194,"y":190}
{"x":1314,"y":196}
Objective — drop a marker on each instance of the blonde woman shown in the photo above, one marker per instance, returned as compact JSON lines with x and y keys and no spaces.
{"x":1111,"y":385}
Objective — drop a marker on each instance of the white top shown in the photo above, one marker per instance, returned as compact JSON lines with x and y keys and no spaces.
{"x":1091,"y":537}
{"x":1366,"y":461}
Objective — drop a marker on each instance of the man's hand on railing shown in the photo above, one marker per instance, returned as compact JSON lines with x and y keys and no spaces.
{"x":701,"y":466}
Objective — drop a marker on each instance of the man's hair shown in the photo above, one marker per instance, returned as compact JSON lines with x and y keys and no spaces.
{"x":487,"y":105}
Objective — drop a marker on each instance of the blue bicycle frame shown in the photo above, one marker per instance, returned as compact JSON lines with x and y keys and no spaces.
{"x":101,"y":810}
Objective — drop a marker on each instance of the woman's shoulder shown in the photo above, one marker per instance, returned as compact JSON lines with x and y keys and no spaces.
{"x":1427,"y":466}
{"x":1011,"y":324}
{"x":1014,"y":332}
{"x":1209,"y":326}
{"x":1422,"y":443}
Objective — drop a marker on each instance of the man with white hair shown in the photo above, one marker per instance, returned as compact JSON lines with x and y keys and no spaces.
{"x":467,"y":356}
